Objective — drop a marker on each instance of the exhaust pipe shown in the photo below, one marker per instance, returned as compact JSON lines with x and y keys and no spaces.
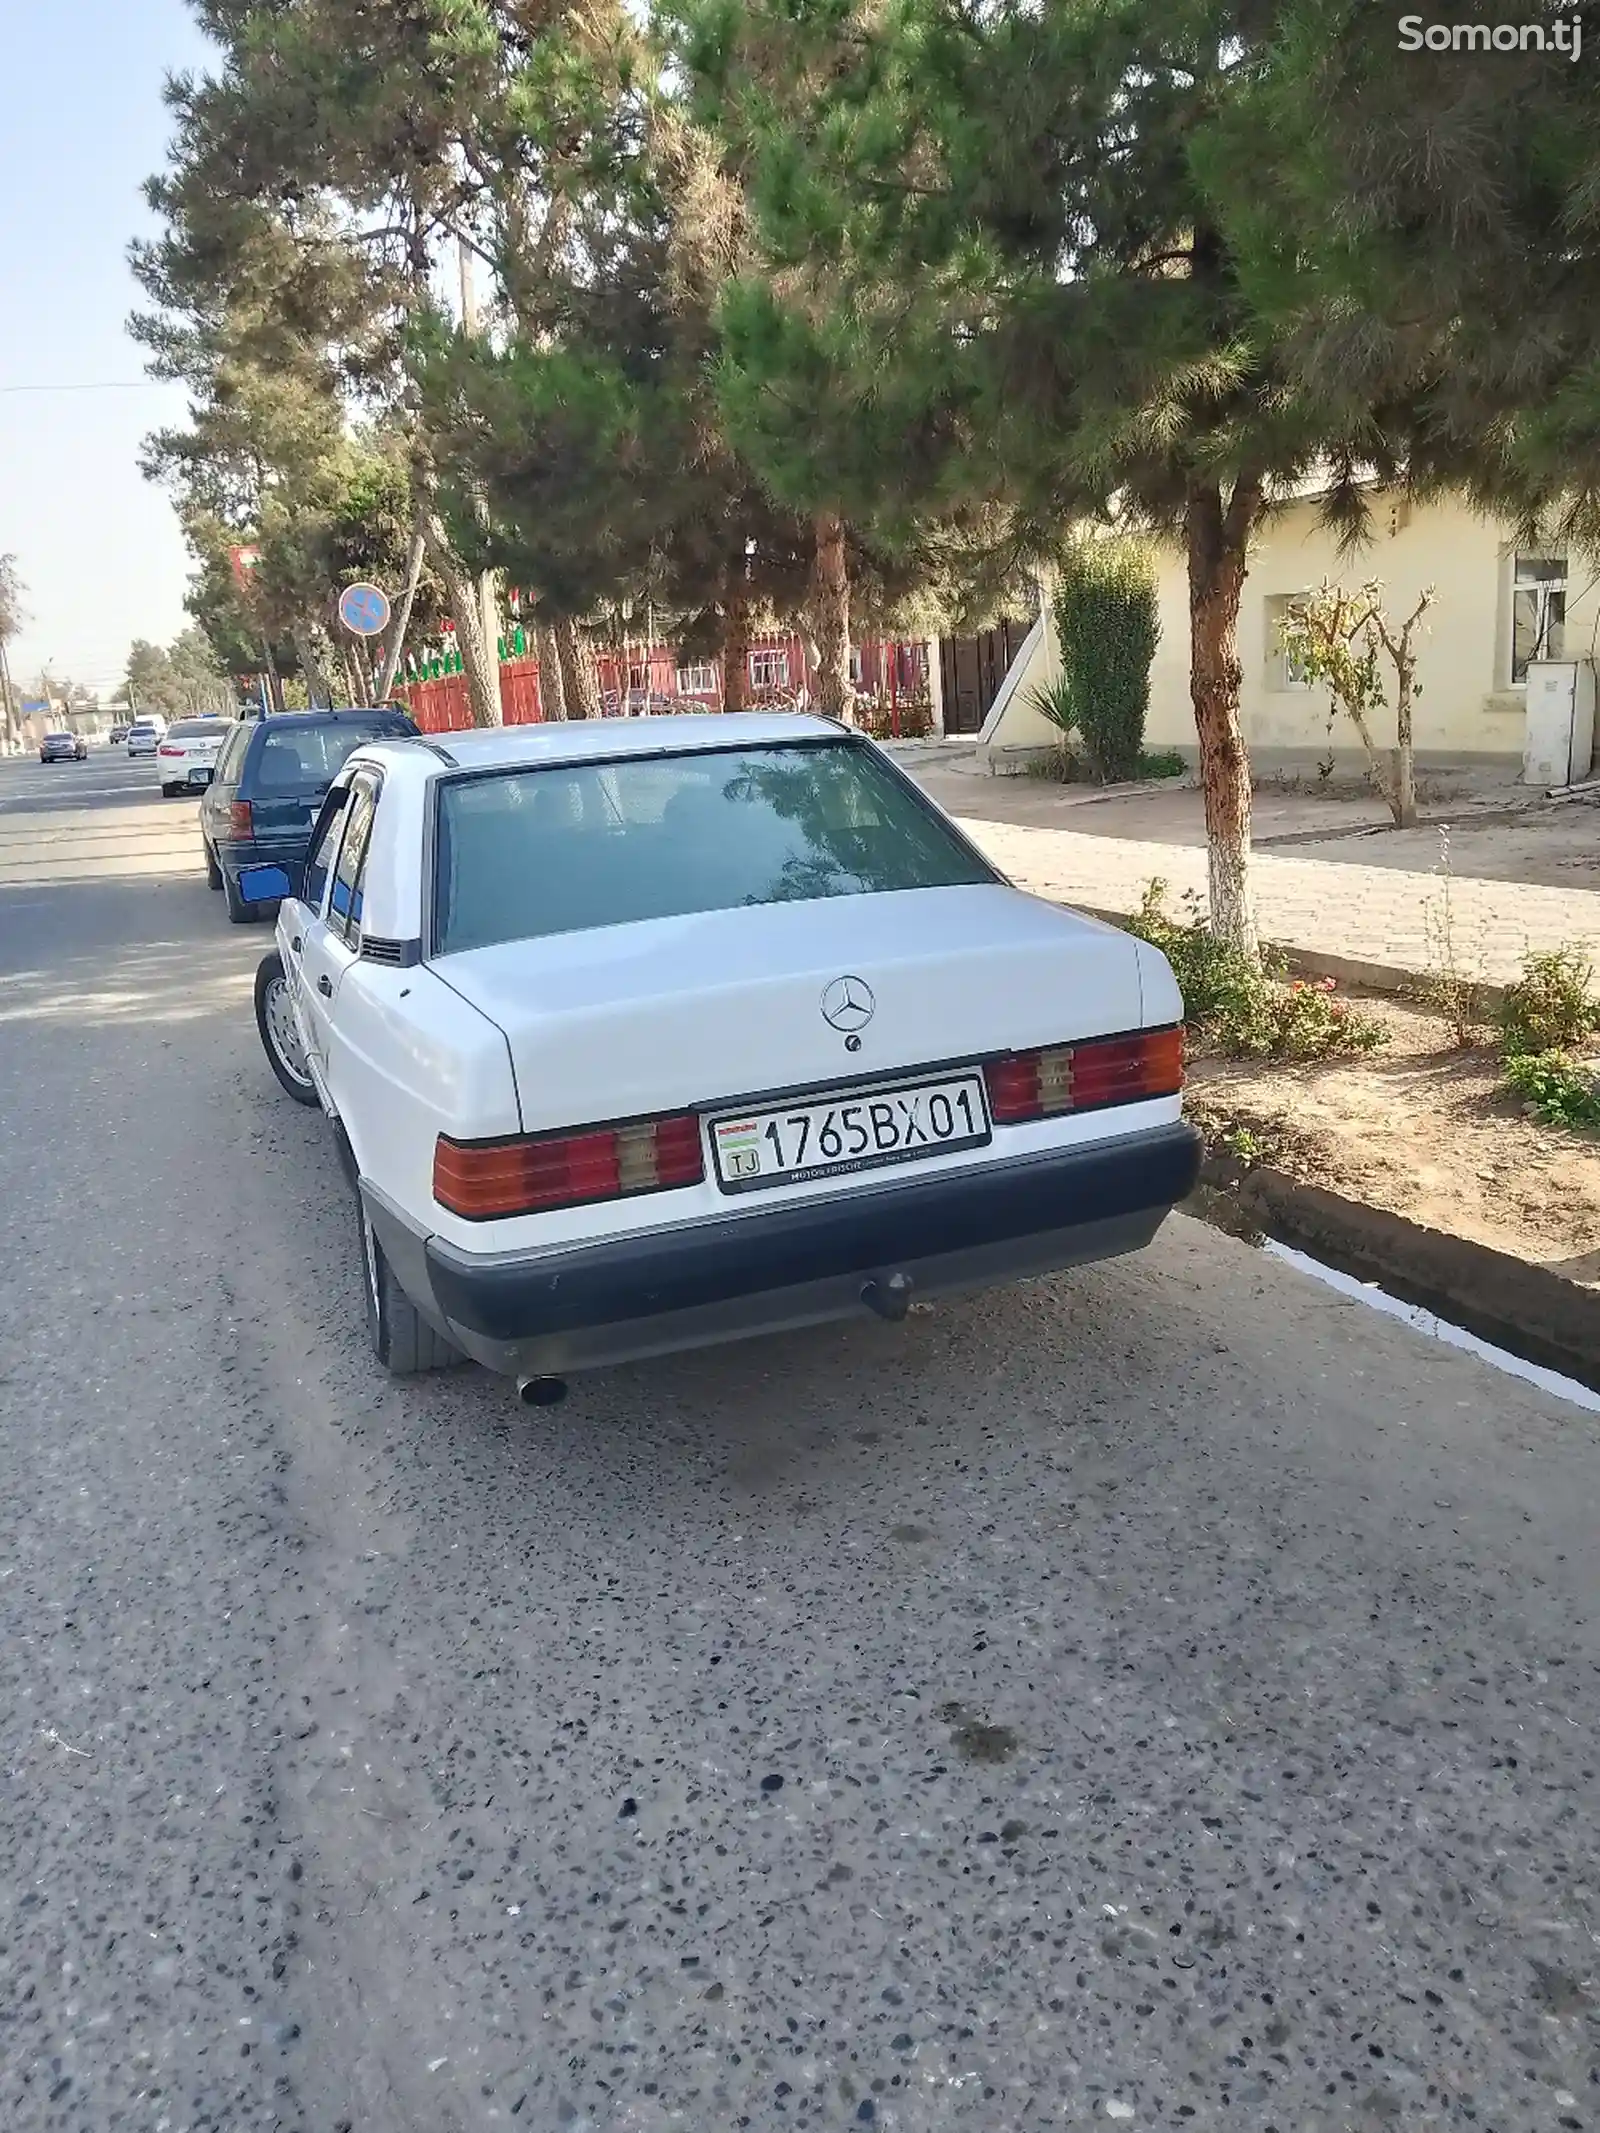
{"x":541,"y":1392}
{"x":890,"y":1298}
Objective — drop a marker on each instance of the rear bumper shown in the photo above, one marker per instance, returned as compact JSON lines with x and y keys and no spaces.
{"x":235,"y":854}
{"x":550,"y":1312}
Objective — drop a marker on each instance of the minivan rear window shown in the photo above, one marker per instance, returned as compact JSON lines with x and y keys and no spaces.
{"x":521,"y":854}
{"x":308,"y":758}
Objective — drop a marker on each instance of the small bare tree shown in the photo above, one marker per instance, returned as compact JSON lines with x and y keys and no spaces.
{"x":1343,"y":640}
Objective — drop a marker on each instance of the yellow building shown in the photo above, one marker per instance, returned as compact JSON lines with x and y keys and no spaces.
{"x":1496,"y":605}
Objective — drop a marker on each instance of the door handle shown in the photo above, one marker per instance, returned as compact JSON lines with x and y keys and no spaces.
{"x":325,"y":986}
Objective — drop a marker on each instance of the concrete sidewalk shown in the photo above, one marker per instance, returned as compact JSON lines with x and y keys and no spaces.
{"x":1360,"y":923}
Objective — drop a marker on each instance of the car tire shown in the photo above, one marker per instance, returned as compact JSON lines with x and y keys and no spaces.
{"x":405,"y":1343}
{"x":213,"y":871}
{"x":275,"y":1023}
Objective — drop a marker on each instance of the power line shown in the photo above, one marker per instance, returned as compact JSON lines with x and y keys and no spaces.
{"x":103,"y":385}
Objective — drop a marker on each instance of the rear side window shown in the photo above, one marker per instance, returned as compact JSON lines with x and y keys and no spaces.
{"x":525,"y":853}
{"x":344,"y":906}
{"x":307,"y":758}
{"x":232,"y":756}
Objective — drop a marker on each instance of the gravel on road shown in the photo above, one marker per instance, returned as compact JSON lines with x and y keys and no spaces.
{"x":1163,"y":1695}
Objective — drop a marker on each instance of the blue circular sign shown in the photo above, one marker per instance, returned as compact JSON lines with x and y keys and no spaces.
{"x":364,"y":610}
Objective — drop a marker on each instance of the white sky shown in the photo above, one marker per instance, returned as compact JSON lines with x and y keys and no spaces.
{"x":98,"y":548}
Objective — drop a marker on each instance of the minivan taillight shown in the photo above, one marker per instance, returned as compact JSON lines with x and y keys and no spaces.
{"x":483,"y":1180}
{"x":1085,"y":1077}
{"x":241,"y":823}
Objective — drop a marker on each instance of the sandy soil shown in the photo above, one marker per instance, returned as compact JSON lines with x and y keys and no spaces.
{"x":1423,"y":1130}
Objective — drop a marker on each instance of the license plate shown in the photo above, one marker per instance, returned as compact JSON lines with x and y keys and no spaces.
{"x":847,"y":1133}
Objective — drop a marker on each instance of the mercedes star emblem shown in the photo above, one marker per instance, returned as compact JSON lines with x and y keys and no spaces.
{"x":848,"y":1005}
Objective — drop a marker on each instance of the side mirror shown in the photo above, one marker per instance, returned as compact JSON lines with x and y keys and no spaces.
{"x":264,"y":885}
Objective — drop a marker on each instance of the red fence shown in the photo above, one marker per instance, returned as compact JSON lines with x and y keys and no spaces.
{"x":778,"y":665}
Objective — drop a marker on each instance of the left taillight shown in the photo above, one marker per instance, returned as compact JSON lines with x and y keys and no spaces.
{"x":482,"y":1180}
{"x":241,"y":822}
{"x":1085,"y":1077}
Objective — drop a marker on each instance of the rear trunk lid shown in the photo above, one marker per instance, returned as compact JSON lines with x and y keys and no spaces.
{"x":722,"y":1006}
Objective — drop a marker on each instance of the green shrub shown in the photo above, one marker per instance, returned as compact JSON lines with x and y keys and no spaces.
{"x":1552,"y":1006}
{"x":1165,"y":763}
{"x":1060,"y":766}
{"x":1236,"y":1008}
{"x":1557,"y":1089}
{"x":1107,"y":629}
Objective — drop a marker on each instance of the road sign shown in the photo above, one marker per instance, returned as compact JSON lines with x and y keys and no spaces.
{"x":364,"y":610}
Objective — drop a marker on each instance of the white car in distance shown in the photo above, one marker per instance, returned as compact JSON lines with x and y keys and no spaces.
{"x":187,"y":754}
{"x":144,"y":735}
{"x":643,"y":1036}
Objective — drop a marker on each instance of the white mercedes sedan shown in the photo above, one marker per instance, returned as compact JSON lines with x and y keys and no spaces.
{"x":640,"y":1036}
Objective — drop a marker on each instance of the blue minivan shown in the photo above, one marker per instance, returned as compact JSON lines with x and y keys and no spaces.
{"x":269,"y":782}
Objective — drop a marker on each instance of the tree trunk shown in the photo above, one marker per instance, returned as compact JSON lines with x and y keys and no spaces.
{"x":1404,"y":803}
{"x":351,"y":693}
{"x":481,"y":669}
{"x":1217,"y":540}
{"x":402,"y":621}
{"x":831,"y":610}
{"x":318,"y":695}
{"x":552,"y":696}
{"x":736,"y":655}
{"x":489,"y":612}
{"x":580,"y":685}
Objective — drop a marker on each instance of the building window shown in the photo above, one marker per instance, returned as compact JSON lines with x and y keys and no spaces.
{"x":1283,"y":672}
{"x":697,"y":680}
{"x":855,"y":665}
{"x":1538,"y":611}
{"x":769,"y":670}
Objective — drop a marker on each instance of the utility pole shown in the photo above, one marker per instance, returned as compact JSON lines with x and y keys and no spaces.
{"x":488,"y":594}
{"x":11,"y":710}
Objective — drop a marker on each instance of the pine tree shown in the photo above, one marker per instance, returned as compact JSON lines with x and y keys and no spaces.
{"x":1001,"y":268}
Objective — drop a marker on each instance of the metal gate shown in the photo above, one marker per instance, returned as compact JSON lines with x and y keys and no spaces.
{"x":972,"y":670}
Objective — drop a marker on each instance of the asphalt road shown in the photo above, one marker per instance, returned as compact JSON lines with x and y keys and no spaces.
{"x":1165,"y":1696}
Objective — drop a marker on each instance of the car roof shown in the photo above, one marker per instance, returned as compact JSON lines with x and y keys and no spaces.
{"x":581,"y":740}
{"x":289,"y":721}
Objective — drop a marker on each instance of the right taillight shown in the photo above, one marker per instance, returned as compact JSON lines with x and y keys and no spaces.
{"x":1085,"y":1077}
{"x":241,"y":823}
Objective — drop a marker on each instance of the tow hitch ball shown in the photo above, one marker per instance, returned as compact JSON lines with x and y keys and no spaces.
{"x":890,"y":1297}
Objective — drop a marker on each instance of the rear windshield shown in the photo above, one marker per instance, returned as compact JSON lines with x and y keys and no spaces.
{"x":306,"y":758}
{"x":198,"y":729}
{"x":526,"y":853}
{"x":143,"y":725}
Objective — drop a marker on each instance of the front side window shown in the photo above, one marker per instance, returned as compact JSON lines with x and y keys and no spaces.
{"x":522,"y":854}
{"x":1538,"y":611}
{"x":344,"y":905}
{"x":320,"y":864}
